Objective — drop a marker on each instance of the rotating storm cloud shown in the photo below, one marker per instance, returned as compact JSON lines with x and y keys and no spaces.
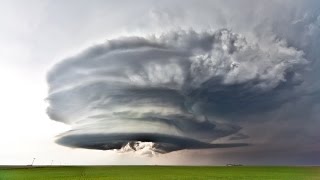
{"x":179,"y":90}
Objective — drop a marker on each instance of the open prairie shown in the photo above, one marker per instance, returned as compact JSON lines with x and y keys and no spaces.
{"x":158,"y":172}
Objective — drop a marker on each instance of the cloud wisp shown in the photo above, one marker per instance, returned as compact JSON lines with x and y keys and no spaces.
{"x":179,"y":90}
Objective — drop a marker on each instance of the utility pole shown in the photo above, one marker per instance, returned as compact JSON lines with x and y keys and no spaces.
{"x":33,"y":161}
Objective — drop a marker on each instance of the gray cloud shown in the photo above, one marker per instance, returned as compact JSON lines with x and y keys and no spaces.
{"x":239,"y":136}
{"x":162,"y":143}
{"x":178,"y":90}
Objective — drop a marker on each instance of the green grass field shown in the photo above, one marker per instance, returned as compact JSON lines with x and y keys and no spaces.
{"x":159,"y":172}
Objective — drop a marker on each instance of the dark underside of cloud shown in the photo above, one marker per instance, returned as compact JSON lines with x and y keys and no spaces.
{"x":180,"y":90}
{"x":162,"y":143}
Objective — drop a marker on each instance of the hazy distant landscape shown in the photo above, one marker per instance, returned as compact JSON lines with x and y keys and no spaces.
{"x":159,"y":172}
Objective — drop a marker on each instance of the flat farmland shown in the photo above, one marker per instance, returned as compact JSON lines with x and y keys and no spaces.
{"x":158,"y":172}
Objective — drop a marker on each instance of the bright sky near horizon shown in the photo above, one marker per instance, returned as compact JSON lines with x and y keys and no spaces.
{"x":35,"y":35}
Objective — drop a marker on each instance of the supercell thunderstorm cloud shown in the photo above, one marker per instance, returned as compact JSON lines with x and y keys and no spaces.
{"x":182,"y":89}
{"x":233,"y":80}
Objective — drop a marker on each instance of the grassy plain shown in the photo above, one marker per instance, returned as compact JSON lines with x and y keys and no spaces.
{"x":159,"y":172}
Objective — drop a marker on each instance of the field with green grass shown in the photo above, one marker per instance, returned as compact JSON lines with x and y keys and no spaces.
{"x":158,"y":172}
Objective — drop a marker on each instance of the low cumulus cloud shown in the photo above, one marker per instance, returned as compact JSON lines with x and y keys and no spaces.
{"x":182,"y":89}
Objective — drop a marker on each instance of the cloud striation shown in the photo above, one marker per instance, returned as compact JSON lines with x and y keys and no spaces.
{"x":178,"y":90}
